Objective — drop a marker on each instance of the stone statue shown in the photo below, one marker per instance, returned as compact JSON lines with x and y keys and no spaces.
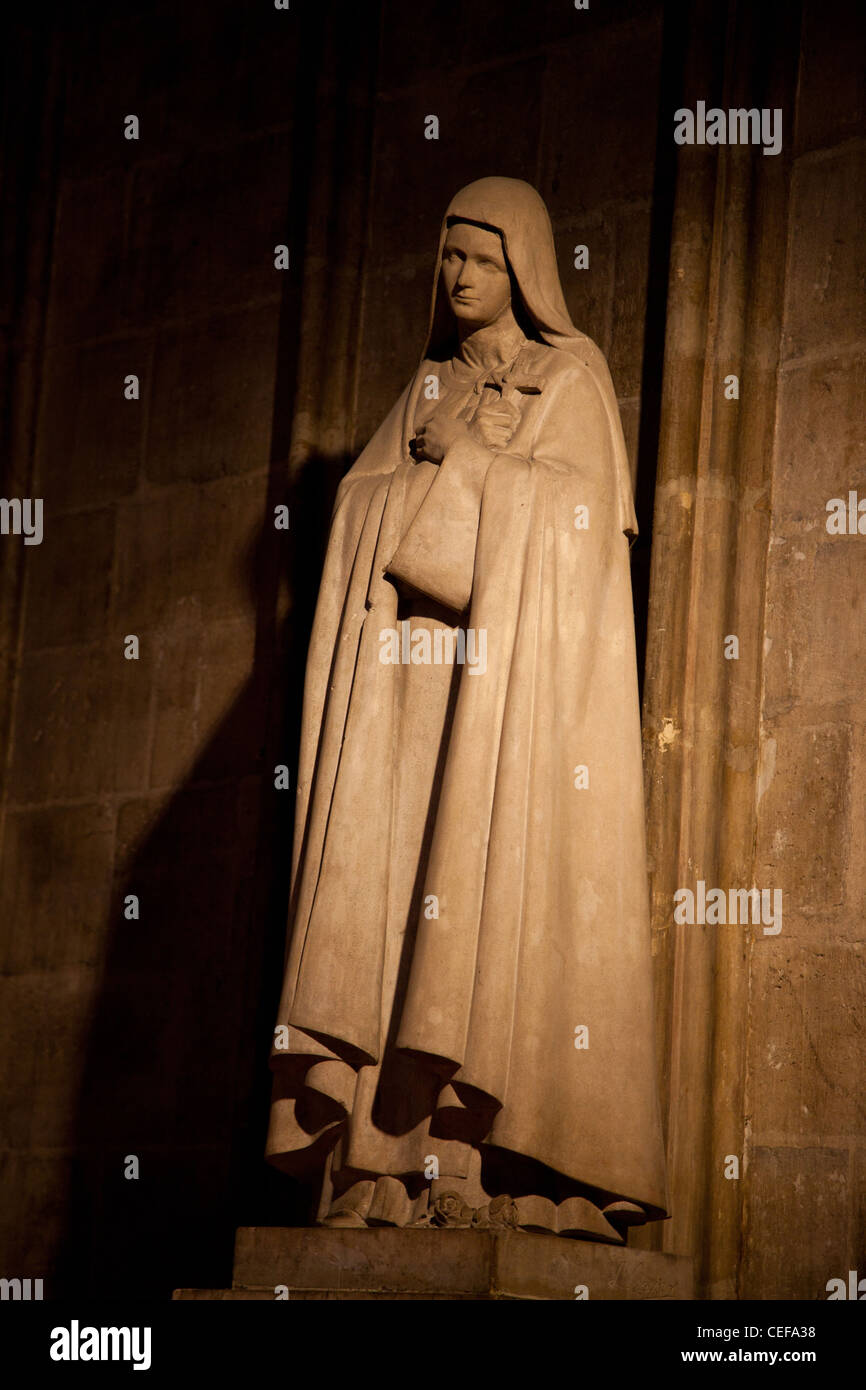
{"x":465,"y":1035}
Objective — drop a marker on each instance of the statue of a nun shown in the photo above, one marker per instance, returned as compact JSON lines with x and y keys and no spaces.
{"x":465,"y":1036}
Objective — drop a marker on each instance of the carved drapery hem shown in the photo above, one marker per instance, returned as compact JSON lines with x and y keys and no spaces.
{"x":441,"y":1204}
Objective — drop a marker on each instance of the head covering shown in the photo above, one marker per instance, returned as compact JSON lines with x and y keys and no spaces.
{"x":514,"y":209}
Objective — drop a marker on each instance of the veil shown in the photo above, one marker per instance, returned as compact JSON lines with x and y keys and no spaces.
{"x":515,"y":210}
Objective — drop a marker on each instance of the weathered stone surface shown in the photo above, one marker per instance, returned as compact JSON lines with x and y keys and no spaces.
{"x":398,"y":34}
{"x":31,"y":1228}
{"x":211,"y":398}
{"x":226,"y":692}
{"x":825,"y":307}
{"x":236,"y":72}
{"x":544,"y":1270}
{"x":405,"y":285}
{"x":855,"y":890}
{"x":222,"y":1296}
{"x":166,"y":546}
{"x":90,"y":437}
{"x":857,"y":1243}
{"x":389,"y":1263}
{"x":203,"y":230}
{"x":88,"y":288}
{"x":600,"y":145}
{"x":177,"y":684}
{"x":409,"y":192}
{"x":819,"y":448}
{"x":832,"y":97}
{"x":208,"y":715}
{"x":805,"y":1052}
{"x":815,"y":650}
{"x":464,"y":35}
{"x":629,"y":413}
{"x":46,"y":1019}
{"x":63,"y":857}
{"x":806,"y":797}
{"x":82,"y":724}
{"x":589,"y":292}
{"x":177,"y":842}
{"x":629,"y":300}
{"x":317,"y":1296}
{"x":404,"y":1261}
{"x":69,"y":578}
{"x":802,"y":1190}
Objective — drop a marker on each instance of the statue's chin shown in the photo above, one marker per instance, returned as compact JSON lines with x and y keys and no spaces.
{"x":469,"y":315}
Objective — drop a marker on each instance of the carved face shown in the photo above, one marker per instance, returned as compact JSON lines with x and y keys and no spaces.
{"x":475,"y":274}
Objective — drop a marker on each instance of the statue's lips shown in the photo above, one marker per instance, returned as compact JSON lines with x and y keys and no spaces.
{"x":464,"y":299}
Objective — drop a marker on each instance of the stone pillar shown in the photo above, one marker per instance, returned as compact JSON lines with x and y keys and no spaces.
{"x":711,"y":526}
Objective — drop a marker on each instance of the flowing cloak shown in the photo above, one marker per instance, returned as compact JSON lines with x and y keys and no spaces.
{"x":468,"y":973}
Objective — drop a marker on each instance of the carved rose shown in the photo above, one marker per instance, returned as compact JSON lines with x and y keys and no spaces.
{"x":449,"y":1209}
{"x":499,"y":1215}
{"x":503,"y":1212}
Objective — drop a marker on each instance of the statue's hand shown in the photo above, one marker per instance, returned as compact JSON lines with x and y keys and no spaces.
{"x":494,"y":424}
{"x":433,"y":440}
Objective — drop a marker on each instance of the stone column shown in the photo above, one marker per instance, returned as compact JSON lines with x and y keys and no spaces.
{"x":711,"y":527}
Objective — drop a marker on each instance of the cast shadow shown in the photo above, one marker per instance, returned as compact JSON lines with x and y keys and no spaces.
{"x":176,"y":1070}
{"x":176,"y":1073}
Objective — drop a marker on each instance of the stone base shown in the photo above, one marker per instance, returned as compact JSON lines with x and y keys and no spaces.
{"x":389,"y":1263}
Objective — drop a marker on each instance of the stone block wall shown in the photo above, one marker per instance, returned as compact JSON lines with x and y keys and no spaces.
{"x":805,"y":1096}
{"x":146,"y":1037}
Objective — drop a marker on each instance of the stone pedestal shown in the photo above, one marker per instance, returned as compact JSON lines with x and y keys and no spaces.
{"x":389,"y":1263}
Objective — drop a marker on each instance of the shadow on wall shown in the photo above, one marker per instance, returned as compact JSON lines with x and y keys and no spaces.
{"x":177,"y":1066}
{"x":176,"y":1072}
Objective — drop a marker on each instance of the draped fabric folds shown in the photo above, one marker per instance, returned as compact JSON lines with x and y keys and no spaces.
{"x":466,"y":1016}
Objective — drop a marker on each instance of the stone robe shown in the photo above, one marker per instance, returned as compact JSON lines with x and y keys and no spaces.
{"x":465,"y":1032}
